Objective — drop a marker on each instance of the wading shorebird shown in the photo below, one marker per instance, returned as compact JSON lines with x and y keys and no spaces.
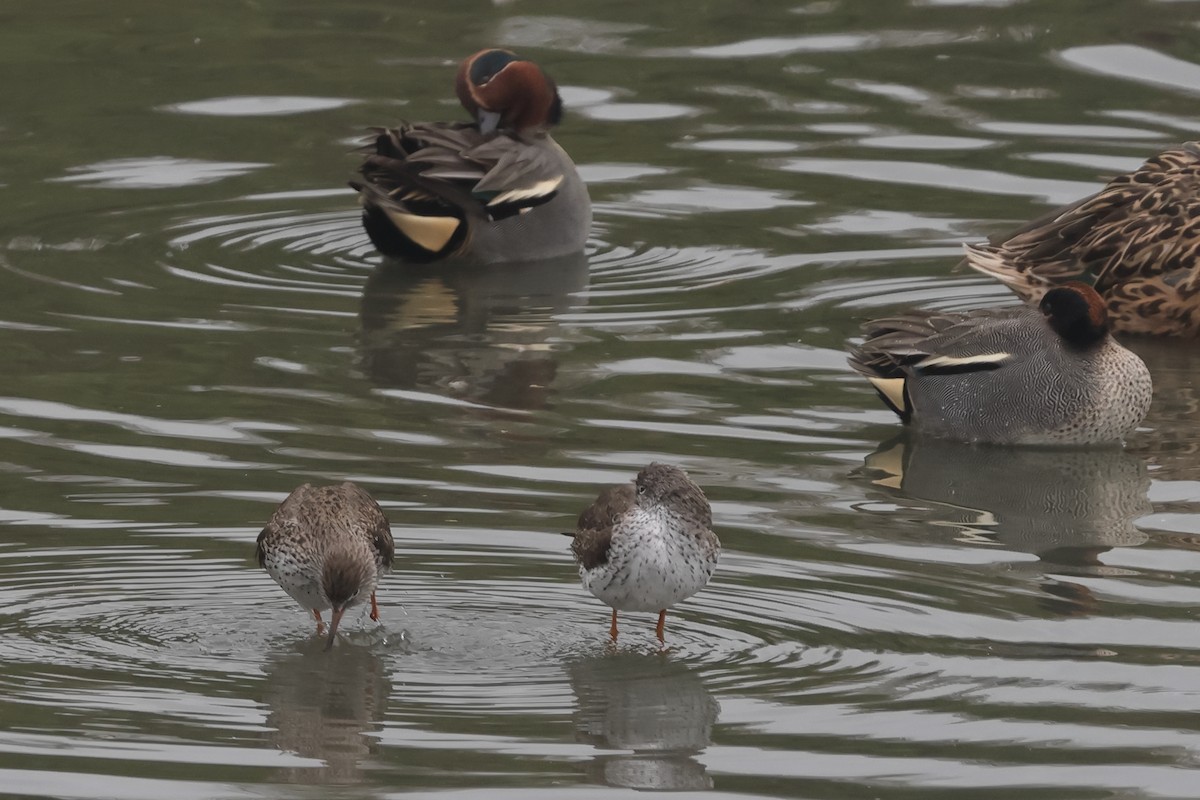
{"x":648,"y":544}
{"x":328,"y":547}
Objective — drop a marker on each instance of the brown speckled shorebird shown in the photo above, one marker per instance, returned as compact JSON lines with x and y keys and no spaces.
{"x":647,"y":545}
{"x":328,"y":547}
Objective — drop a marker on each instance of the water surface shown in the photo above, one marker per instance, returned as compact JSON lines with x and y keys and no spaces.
{"x":196,"y":323}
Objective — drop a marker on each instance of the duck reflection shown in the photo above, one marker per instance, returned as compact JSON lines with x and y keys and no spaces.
{"x":1066,"y":506}
{"x":479,"y":334}
{"x":1170,"y":435}
{"x":326,"y":706}
{"x":654,"y":707}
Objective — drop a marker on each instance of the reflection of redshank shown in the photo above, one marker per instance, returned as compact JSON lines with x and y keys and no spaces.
{"x":647,"y":545}
{"x":328,"y":547}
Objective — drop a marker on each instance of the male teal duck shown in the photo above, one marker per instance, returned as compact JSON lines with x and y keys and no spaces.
{"x":1137,"y":241}
{"x":492,"y":190}
{"x":1051,"y":375}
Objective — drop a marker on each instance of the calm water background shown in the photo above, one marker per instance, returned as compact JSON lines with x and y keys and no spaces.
{"x":193,"y":323}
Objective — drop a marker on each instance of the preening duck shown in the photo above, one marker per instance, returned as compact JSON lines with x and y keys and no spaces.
{"x":496,"y":189}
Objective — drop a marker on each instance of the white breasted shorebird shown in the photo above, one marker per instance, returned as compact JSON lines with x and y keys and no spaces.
{"x":648,"y":544}
{"x":328,"y":547}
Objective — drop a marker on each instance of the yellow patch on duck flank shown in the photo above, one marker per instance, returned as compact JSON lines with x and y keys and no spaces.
{"x":893,"y":391}
{"x":431,"y":233}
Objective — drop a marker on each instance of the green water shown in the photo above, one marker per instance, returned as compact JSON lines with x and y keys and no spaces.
{"x":195,"y":323}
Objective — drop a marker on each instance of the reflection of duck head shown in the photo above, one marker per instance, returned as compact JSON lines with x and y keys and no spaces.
{"x":480,"y":334}
{"x":657,"y":708}
{"x":326,"y":706}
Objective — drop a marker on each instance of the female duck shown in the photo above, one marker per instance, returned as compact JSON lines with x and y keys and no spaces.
{"x":492,"y":190}
{"x":1051,"y":375}
{"x":1137,"y":241}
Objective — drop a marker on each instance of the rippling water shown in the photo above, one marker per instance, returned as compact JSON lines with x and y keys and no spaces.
{"x":196,"y":323}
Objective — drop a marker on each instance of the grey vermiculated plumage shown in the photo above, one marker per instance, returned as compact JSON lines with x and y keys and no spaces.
{"x":452,"y":170}
{"x":1045,"y":391}
{"x":327,"y":547}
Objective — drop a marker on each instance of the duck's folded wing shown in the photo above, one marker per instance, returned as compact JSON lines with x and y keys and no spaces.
{"x":394,"y":171}
{"x":900,"y":349}
{"x":435,"y":167}
{"x":519,"y":175}
{"x":933,"y":343}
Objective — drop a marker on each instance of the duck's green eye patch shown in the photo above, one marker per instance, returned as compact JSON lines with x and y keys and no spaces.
{"x":484,"y":68}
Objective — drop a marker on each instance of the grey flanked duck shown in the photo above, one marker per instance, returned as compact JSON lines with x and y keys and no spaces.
{"x":496,"y":189}
{"x":1137,"y":240}
{"x":328,"y":547}
{"x":648,"y":544}
{"x":1050,"y":375}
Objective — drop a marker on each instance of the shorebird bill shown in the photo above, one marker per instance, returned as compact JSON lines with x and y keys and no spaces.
{"x":335,"y":616}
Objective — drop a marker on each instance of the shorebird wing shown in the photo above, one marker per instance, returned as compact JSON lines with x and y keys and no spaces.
{"x":594,"y":530}
{"x":381,"y":534}
{"x":260,"y":553}
{"x":591,"y":545}
{"x":282,"y":520}
{"x":372,"y":521}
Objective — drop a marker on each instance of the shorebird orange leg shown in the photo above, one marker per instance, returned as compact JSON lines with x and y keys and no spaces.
{"x":662,"y":622}
{"x":374,"y":609}
{"x":320,"y":623}
{"x":612,"y":631}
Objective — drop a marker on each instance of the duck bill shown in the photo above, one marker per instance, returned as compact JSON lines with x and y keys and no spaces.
{"x":334,"y":618}
{"x":489,"y":121}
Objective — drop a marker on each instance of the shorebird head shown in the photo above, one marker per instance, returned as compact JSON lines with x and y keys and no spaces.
{"x":501,"y":90}
{"x":666,"y":488}
{"x":347,"y":579}
{"x":661,"y":482}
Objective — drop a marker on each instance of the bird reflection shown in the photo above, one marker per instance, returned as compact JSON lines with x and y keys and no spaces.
{"x":1170,"y":438}
{"x":647,"y":704}
{"x":326,"y":706}
{"x":479,"y":334}
{"x":1067,"y":506}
